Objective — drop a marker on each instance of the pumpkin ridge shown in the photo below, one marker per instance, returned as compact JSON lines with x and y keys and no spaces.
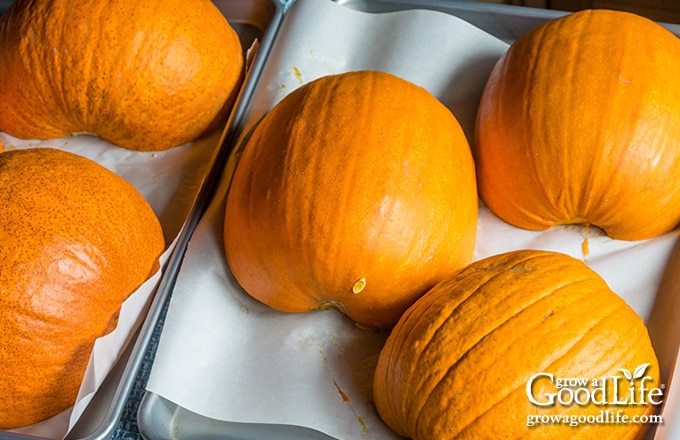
{"x":622,"y":307}
{"x":289,"y":204}
{"x":527,"y":102}
{"x":352,"y":163}
{"x":474,"y":295}
{"x":30,"y":73}
{"x":470,"y":294}
{"x":573,"y":345}
{"x":413,"y":415}
{"x":321,"y":270}
{"x":589,"y":208}
{"x":479,"y":344}
{"x":545,"y":176}
{"x":404,"y":333}
{"x":566,"y":202}
{"x":598,"y":178}
{"x":81,"y":105}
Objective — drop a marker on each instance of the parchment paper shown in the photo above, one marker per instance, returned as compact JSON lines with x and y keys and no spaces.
{"x":225,"y":356}
{"x":170,"y":181}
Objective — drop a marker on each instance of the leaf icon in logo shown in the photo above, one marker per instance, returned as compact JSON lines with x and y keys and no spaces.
{"x":640,"y":371}
{"x":637,"y":373}
{"x":626,"y":373}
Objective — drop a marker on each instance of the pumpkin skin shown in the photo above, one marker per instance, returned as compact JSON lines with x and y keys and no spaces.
{"x":75,"y":241}
{"x":579,"y":123}
{"x":356,"y":191}
{"x":144,"y":75}
{"x":457,"y":364}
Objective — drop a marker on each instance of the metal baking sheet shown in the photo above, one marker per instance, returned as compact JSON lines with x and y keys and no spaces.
{"x":254,"y":21}
{"x":505,"y":22}
{"x":161,"y":419}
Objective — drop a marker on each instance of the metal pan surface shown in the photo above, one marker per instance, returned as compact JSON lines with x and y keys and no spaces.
{"x":505,"y":22}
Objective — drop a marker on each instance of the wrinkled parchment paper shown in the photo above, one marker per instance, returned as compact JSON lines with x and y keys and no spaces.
{"x":225,"y":356}
{"x":170,"y":181}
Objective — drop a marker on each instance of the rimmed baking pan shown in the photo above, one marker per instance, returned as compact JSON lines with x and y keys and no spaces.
{"x":159,"y":417}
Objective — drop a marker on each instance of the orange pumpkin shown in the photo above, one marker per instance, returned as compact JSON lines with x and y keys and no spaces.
{"x":357,"y":191}
{"x":144,"y":75}
{"x":579,"y":124}
{"x":467,"y":359}
{"x":75,"y":241}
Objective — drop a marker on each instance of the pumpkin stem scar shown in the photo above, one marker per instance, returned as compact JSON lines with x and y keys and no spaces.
{"x":359,"y":285}
{"x":325,"y":304}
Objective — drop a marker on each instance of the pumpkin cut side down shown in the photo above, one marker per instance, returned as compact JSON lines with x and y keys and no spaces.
{"x":357,"y":191}
{"x":482,"y":354}
{"x":579,"y":123}
{"x":143,"y":75}
{"x":71,"y":252}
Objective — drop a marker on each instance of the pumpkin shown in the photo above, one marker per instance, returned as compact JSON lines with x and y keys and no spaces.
{"x":356,"y":192}
{"x":75,"y":241}
{"x":144,"y":75}
{"x":579,"y":123}
{"x":467,"y":359}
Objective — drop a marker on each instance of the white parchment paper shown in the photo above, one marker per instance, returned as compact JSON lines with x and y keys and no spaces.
{"x":225,"y":356}
{"x":170,"y":181}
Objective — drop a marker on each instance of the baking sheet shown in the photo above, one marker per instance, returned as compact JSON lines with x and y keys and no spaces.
{"x":231,"y":363}
{"x":174,"y":182}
